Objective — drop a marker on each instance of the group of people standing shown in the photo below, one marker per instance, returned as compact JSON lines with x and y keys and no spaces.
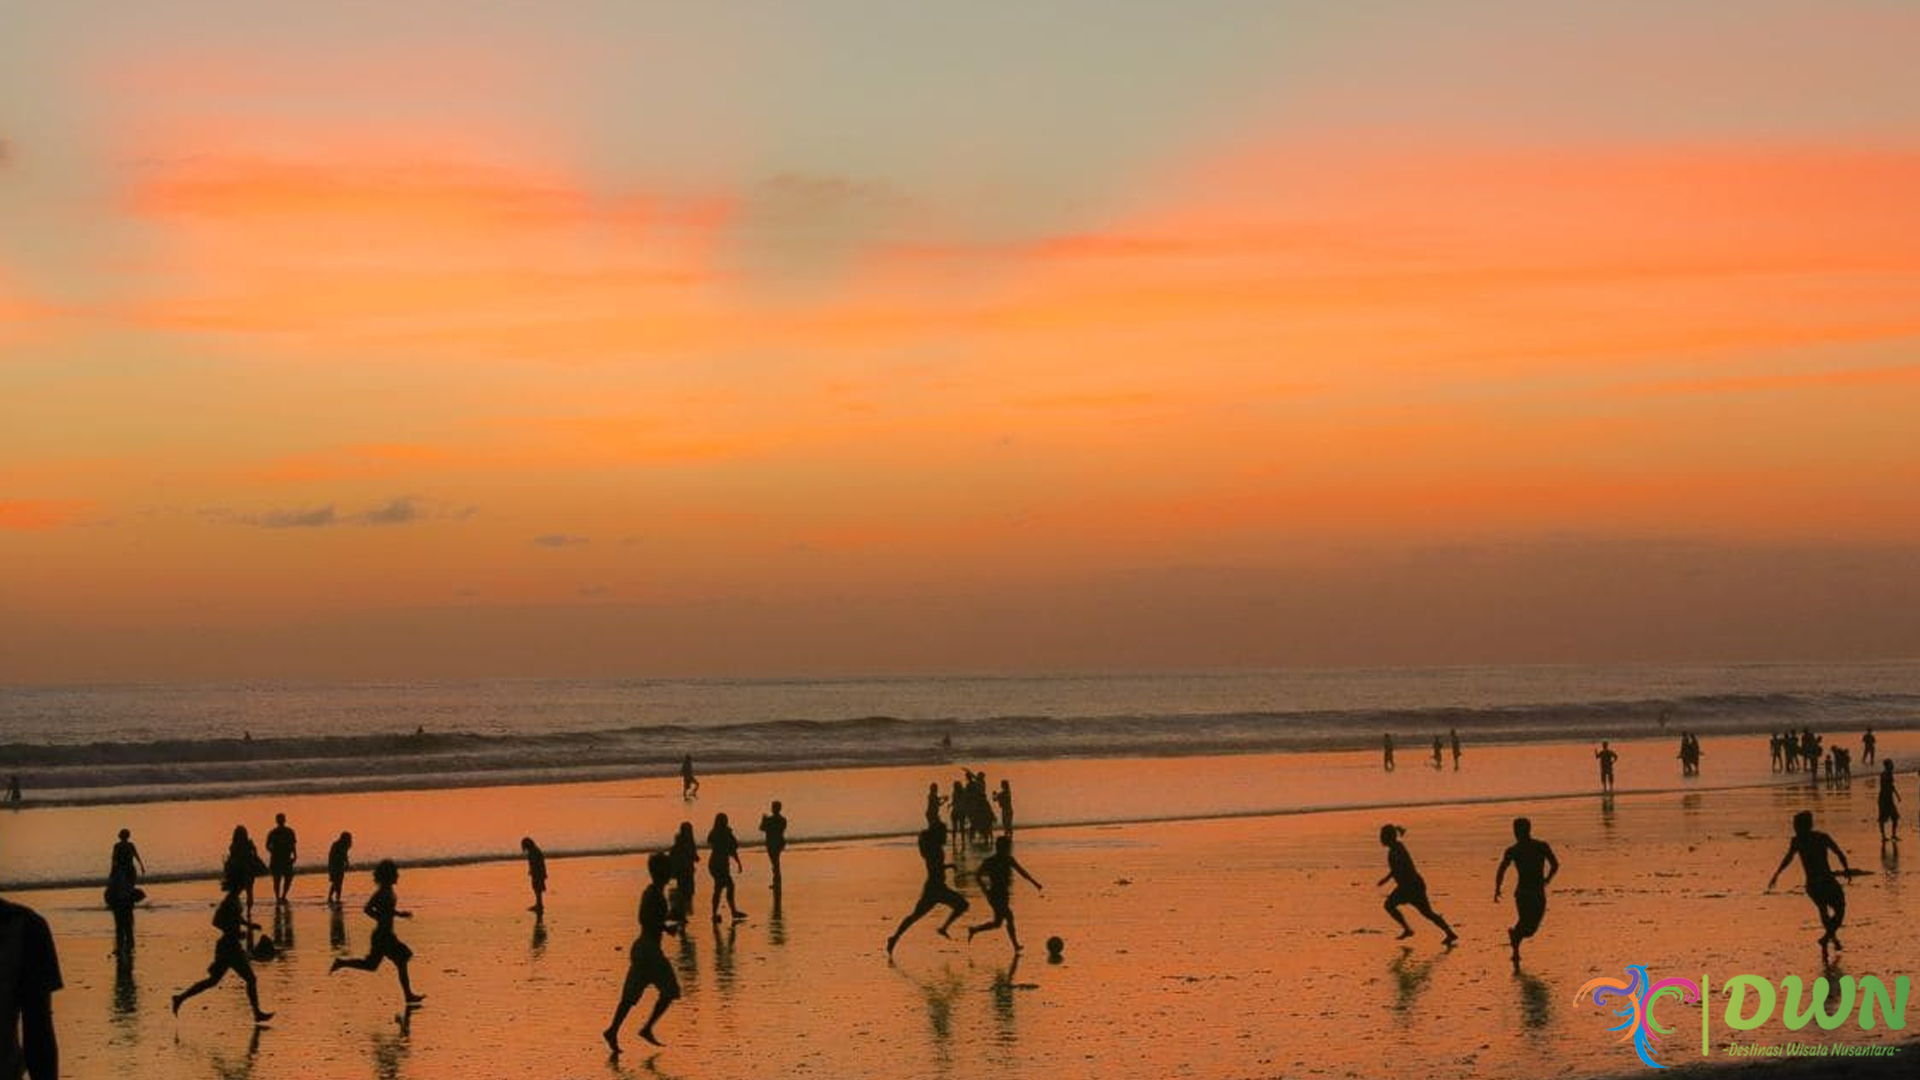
{"x":970,"y":809}
{"x":1441,"y":747}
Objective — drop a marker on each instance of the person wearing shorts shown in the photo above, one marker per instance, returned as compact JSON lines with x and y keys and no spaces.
{"x":647,"y":963}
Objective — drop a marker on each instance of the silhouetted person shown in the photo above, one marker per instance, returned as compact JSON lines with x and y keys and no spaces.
{"x":1453,"y":737}
{"x":1386,"y":751}
{"x":123,"y":891}
{"x":281,"y":849}
{"x":1867,"y":743}
{"x":995,"y":876}
{"x":1409,"y":888}
{"x":684,"y":856}
{"x":1439,"y":749}
{"x":933,"y":802}
{"x":647,"y":963}
{"x":1003,"y":798}
{"x":13,"y":789}
{"x":774,"y":827}
{"x":689,"y":783}
{"x":536,"y":874}
{"x":1823,"y":886}
{"x":935,"y":890}
{"x":339,"y":858}
{"x":1534,"y":866}
{"x":956,"y":814}
{"x":383,"y":907}
{"x":1889,"y":803}
{"x":29,"y":975}
{"x":1606,"y":756}
{"x":229,"y":953}
{"x":723,"y":856}
{"x":243,"y":864}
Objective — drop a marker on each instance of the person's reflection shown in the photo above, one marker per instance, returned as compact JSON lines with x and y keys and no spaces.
{"x":242,"y":1069}
{"x":1003,"y":991}
{"x":126,"y":993}
{"x":538,"y":947}
{"x":939,"y":990}
{"x":1536,"y":1001}
{"x":1690,"y":802}
{"x":282,"y":927}
{"x":1410,"y":977}
{"x":1606,"y":811}
{"x":723,"y":969}
{"x":337,"y":928}
{"x":777,"y":926}
{"x":688,"y":965}
{"x":390,"y":1048}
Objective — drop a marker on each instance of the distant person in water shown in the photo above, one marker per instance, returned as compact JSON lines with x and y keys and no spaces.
{"x":339,"y":858}
{"x":29,"y":976}
{"x":1606,"y":756}
{"x":13,"y":789}
{"x":773,"y":826}
{"x":1386,"y":751}
{"x":243,"y":864}
{"x":1534,"y":866}
{"x":1409,"y":888}
{"x":1867,"y":743}
{"x":1453,"y":737}
{"x":1003,"y":798}
{"x":995,"y":877}
{"x":1439,"y":749}
{"x":383,"y":907}
{"x":723,"y":857}
{"x":281,"y":848}
{"x":935,"y":890}
{"x":689,"y":783}
{"x":647,"y":963}
{"x":683,"y":856}
{"x":1823,"y":885}
{"x":229,"y":953}
{"x":536,"y":874}
{"x":1889,"y":804}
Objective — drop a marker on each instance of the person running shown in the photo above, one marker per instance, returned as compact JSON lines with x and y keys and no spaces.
{"x":383,"y":907}
{"x":723,"y":855}
{"x":1386,"y":751}
{"x":1867,"y":743}
{"x":935,"y":891}
{"x":1823,"y":885}
{"x":229,"y":952}
{"x":685,"y":855}
{"x":536,"y":874}
{"x":689,"y":783}
{"x":1606,"y":756}
{"x":29,"y":977}
{"x":774,"y":827}
{"x":1889,"y":803}
{"x":1534,"y":866}
{"x":281,"y":845}
{"x":995,"y":877}
{"x":1003,"y":798}
{"x":647,"y":963}
{"x":243,"y":865}
{"x":1409,"y":887}
{"x":338,"y":860}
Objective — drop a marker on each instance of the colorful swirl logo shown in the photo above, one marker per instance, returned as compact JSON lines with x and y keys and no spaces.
{"x":1636,"y":996}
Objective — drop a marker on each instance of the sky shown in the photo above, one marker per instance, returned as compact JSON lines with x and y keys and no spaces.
{"x":375,"y":340}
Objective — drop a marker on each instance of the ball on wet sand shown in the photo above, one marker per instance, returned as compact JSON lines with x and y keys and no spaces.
{"x":1056,"y":948}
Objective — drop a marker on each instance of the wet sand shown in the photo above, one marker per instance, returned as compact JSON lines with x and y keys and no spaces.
{"x":1243,"y":947}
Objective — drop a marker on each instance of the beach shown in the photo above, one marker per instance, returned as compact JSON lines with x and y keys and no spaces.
{"x":1218,"y":942}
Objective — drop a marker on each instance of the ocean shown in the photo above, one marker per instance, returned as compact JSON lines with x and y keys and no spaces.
{"x":132,"y":743}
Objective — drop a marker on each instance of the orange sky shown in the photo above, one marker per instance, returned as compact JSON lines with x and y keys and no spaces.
{"x":276,"y":354}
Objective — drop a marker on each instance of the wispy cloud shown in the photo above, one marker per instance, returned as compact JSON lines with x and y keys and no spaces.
{"x":558,"y":540}
{"x":404,"y":510}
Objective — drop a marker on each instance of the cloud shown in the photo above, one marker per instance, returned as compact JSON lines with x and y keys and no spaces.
{"x":402,"y":510}
{"x":33,"y":515}
{"x":558,"y":540}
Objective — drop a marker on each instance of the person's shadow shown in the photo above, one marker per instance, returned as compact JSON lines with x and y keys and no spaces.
{"x":1411,"y":976}
{"x":243,"y":1068}
{"x":337,"y":928}
{"x":391,"y":1048}
{"x":777,"y":924}
{"x":126,"y":992}
{"x":538,"y":947}
{"x":1536,"y":1001}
